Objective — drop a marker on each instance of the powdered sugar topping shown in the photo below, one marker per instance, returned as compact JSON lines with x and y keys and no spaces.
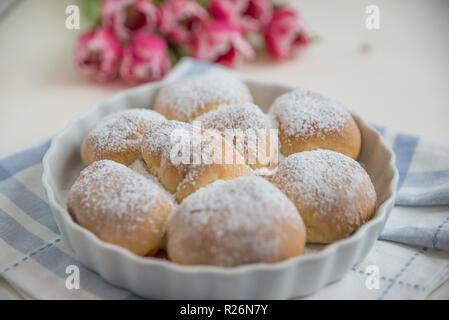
{"x":158,"y":137}
{"x":302,"y":113}
{"x":122,"y":130}
{"x":188,"y":96}
{"x":242,"y":116}
{"x":140,"y":167}
{"x":325,"y":180}
{"x":240,"y":214}
{"x":111,"y":192}
{"x":181,"y":141}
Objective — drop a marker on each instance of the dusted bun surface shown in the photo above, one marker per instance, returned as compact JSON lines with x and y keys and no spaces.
{"x":248,"y":121}
{"x":229,"y":223}
{"x":331,"y":191}
{"x":190,"y":97}
{"x":308,"y":121}
{"x":120,"y":206}
{"x":184,"y":164}
{"x":118,"y":136}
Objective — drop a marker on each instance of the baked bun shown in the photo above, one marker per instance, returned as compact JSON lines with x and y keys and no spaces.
{"x":229,"y":223}
{"x":309,"y":121}
{"x":120,"y":206}
{"x":247,"y":128}
{"x":183,"y":164}
{"x":188,"y":98}
{"x":156,"y":149}
{"x":331,"y":191}
{"x":117,"y":137}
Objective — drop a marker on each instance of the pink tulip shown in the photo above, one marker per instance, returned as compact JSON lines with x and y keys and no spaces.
{"x":249,"y":15}
{"x":178,"y":18}
{"x":98,"y":53}
{"x":145,"y":58}
{"x":127,"y":16}
{"x":221,"y":43}
{"x":285,"y":33}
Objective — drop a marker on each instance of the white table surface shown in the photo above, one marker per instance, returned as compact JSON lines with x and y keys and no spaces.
{"x":396,"y":76}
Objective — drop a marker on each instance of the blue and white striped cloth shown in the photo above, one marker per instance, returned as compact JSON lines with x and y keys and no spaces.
{"x":412,"y":255}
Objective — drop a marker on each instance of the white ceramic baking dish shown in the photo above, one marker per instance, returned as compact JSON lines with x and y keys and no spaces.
{"x":156,"y":278}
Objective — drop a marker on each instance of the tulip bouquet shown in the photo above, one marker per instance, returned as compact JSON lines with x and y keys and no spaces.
{"x":139,"y":40}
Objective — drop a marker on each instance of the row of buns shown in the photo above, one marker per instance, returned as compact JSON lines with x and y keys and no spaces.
{"x":223,"y":213}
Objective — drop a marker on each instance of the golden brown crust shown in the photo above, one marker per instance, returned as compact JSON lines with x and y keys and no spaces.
{"x":118,"y":136}
{"x":186,"y":177}
{"x":188,"y":98}
{"x":194,"y":252}
{"x":120,"y":206}
{"x":347,"y":141}
{"x":229,"y":223}
{"x":332,"y":192}
{"x":90,"y":153}
{"x":247,"y":124}
{"x":308,"y":121}
{"x":202,"y":176}
{"x":171,"y":114}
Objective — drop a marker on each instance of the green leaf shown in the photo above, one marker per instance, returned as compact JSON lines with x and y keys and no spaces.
{"x":157,"y":2}
{"x":173,"y":57}
{"x":202,"y":3}
{"x":91,"y":10}
{"x":173,"y":54}
{"x":256,"y":40}
{"x":281,"y":3}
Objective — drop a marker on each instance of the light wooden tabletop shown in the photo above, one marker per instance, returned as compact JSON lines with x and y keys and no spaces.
{"x":396,"y":76}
